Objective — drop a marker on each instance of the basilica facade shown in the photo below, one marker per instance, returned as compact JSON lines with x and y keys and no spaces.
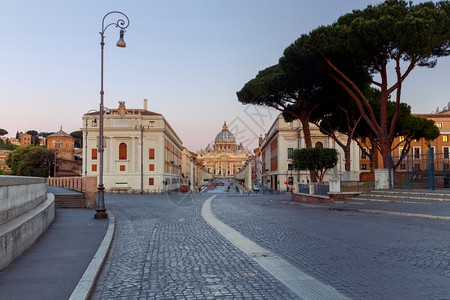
{"x":225,"y":158}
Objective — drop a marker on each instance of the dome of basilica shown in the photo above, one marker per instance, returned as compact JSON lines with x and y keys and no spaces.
{"x":225,"y":135}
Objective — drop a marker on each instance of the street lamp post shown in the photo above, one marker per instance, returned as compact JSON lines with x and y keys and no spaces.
{"x":122,"y":24}
{"x":141,"y":128}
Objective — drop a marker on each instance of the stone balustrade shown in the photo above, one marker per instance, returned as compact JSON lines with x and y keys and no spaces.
{"x":87,"y":185}
{"x":26,"y":210}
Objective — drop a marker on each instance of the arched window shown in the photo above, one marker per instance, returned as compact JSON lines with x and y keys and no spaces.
{"x":319,"y":145}
{"x":123,"y":151}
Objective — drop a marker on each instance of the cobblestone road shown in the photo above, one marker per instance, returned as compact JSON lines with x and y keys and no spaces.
{"x":164,"y":249}
{"x":364,"y":256}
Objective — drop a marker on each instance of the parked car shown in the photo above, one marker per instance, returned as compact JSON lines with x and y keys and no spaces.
{"x":255,"y":187}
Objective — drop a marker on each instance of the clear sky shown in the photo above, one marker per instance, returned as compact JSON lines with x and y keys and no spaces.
{"x":187,"y":57}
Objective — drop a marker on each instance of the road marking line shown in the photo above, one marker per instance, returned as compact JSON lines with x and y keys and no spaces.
{"x":299,"y":282}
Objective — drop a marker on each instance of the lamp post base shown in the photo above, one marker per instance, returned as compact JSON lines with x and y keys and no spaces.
{"x":100,"y":208}
{"x":101,"y":214}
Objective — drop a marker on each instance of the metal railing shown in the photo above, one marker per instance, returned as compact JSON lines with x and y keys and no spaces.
{"x":420,"y":171}
{"x":318,"y":188}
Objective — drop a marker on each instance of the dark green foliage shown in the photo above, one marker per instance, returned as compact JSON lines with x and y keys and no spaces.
{"x":318,"y":160}
{"x":3,"y":132}
{"x":30,"y":161}
{"x":78,"y":135}
{"x":32,"y":132}
{"x":6,"y":145}
{"x":394,"y":34}
{"x":45,"y":134}
{"x":35,"y":136}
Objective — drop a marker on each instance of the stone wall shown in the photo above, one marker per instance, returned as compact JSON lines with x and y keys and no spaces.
{"x":299,"y":197}
{"x":19,"y":195}
{"x":26,"y":210}
{"x":87,"y":185}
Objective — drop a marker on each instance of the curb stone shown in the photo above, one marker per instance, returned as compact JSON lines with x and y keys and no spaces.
{"x":368,"y":211}
{"x":87,"y":281}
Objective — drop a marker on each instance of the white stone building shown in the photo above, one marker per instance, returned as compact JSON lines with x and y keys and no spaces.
{"x":143,"y":152}
{"x":277,"y":146}
{"x":225,"y":158}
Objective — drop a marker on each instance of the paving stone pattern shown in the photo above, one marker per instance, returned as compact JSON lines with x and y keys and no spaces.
{"x":364,"y":256}
{"x":164,"y":249}
{"x":435,"y":208}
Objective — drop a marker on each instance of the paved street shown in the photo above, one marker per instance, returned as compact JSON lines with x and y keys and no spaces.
{"x":165,"y":249}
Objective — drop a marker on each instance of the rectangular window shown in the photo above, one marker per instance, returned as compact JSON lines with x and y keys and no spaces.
{"x":122,"y":168}
{"x":439,"y":125}
{"x":363,"y":154}
{"x":417,"y":167}
{"x":445,"y":138}
{"x":290,"y":167}
{"x":151,"y":153}
{"x":151,"y":181}
{"x":290,"y":151}
{"x":151,"y":124}
{"x":151,"y":167}
{"x":445,"y":150}
{"x":402,"y":166}
{"x":273,"y":145}
{"x":416,"y":151}
{"x":364,"y":167}
{"x":123,"y":151}
{"x":94,"y":154}
{"x":94,"y":168}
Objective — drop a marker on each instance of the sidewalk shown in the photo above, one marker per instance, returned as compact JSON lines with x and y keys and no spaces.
{"x":408,"y":207}
{"x":54,"y":265}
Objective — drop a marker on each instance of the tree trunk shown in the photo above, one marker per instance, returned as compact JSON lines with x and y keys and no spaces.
{"x":308,"y":142}
{"x":347,"y":158}
{"x":385,"y":150}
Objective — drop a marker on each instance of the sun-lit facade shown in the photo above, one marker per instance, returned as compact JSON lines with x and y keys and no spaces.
{"x":143,"y":152}
{"x":225,"y":158}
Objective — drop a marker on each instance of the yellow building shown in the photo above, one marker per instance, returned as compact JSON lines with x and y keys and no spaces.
{"x":25,"y":139}
{"x":62,"y":144}
{"x":419,"y":148}
{"x":225,"y":158}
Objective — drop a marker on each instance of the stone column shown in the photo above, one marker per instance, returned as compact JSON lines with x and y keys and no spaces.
{"x":335,"y":182}
{"x":110,"y":154}
{"x":302,"y":142}
{"x":133,"y":155}
{"x":381,"y":179}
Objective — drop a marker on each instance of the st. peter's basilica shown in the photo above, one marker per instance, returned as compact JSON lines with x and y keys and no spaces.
{"x":225,"y":158}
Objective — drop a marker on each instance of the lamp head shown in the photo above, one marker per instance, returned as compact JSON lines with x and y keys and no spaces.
{"x":121,"y":43}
